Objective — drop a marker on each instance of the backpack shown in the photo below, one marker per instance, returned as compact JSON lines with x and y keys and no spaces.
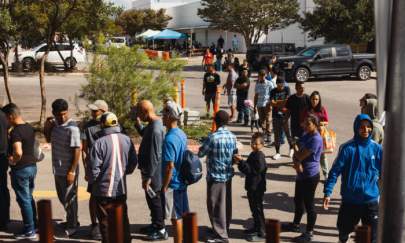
{"x":191,"y":168}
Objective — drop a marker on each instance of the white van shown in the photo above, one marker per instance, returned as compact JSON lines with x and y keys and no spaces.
{"x":117,"y":42}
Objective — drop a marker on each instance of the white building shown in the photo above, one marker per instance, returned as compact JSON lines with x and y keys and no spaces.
{"x":185,"y":19}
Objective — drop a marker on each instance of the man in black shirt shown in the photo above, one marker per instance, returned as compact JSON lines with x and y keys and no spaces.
{"x":150,"y":164}
{"x":211,"y":81}
{"x":296,"y":105}
{"x":4,"y":192}
{"x":89,"y":134}
{"x":242,"y":85}
{"x":23,"y":168}
{"x":278,"y":99}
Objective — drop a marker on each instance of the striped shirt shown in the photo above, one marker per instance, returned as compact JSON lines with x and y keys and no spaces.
{"x":219,"y":148}
{"x":64,"y":139}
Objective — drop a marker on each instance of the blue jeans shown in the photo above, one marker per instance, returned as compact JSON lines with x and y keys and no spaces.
{"x":4,"y":192}
{"x":22,"y":181}
{"x":243,"y":111}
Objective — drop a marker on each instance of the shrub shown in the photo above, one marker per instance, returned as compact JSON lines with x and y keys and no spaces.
{"x":123,"y":76}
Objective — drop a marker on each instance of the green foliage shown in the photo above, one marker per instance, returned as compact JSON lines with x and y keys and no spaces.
{"x":341,"y":21}
{"x":135,"y":21}
{"x":197,"y":132}
{"x":251,"y":18}
{"x":119,"y":74}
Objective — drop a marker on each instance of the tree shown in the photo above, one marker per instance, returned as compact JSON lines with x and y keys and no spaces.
{"x":118,"y":73}
{"x":136,"y":21}
{"x":341,"y":21}
{"x":251,"y":18}
{"x":7,"y":30}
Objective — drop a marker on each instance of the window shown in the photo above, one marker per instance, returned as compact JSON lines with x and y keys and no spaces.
{"x":325,"y":53}
{"x":342,"y":51}
{"x":310,"y":52}
{"x":42,"y":49}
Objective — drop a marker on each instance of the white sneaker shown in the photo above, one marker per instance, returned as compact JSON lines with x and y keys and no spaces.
{"x":276,"y":156}
{"x":291,"y":153}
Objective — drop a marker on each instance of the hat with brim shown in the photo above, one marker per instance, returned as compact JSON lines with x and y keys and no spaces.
{"x":98,"y":105}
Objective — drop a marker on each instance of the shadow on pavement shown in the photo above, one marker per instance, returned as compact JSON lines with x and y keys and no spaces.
{"x":280,"y":177}
{"x":279,"y":201}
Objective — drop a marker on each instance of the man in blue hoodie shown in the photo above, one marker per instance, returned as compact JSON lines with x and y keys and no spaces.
{"x":359,"y":162}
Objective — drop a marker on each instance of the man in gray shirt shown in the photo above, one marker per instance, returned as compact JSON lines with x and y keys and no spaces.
{"x":150,"y":164}
{"x":64,"y":136}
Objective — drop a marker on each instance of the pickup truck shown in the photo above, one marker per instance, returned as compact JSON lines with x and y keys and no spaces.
{"x":327,"y":60}
{"x":259,"y":55}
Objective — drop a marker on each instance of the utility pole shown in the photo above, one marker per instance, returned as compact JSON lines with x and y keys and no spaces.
{"x":392,"y":207}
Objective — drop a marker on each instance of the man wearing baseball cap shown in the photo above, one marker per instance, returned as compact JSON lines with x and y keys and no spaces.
{"x":88,"y":136}
{"x":112,"y":157}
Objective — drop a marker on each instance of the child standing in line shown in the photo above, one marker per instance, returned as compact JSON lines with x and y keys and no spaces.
{"x":255,"y":169}
{"x":254,"y":115}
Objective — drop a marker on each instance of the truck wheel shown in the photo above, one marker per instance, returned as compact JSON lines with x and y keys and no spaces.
{"x":71,"y":62}
{"x":302,"y":74}
{"x":364,"y":72}
{"x":28,"y":64}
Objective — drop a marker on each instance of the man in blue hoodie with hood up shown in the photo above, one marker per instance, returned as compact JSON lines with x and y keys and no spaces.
{"x":359,"y":162}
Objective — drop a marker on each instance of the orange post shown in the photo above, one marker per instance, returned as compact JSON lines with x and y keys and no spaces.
{"x":190,"y":228}
{"x":216,"y":108}
{"x":363,"y":234}
{"x":45,"y":221}
{"x":273,"y":231}
{"x":115,"y":224}
{"x":183,"y":94}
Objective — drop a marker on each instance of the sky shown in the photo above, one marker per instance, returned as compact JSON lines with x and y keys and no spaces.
{"x":124,"y":3}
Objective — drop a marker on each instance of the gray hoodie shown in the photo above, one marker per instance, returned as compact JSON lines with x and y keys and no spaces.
{"x":371,"y":109}
{"x":112,"y":157}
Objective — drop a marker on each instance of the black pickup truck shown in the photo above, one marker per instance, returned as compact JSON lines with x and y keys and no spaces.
{"x":327,"y":60}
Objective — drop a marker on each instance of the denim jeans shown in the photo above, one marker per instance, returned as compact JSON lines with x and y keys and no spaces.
{"x":243,"y":111}
{"x":4,"y":192}
{"x":22,"y":181}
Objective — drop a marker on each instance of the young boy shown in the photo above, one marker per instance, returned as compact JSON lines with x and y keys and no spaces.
{"x":255,"y":184}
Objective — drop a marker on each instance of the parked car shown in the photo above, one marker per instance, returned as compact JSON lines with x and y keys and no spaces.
{"x":31,"y":57}
{"x":327,"y":60}
{"x":259,"y":55}
{"x":117,"y":42}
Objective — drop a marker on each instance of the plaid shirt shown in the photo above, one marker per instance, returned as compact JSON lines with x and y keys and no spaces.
{"x":219,"y":148}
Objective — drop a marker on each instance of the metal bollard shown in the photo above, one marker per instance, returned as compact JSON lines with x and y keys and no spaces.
{"x":216,"y":108}
{"x":115,"y":224}
{"x":190,"y":228}
{"x":183,"y":94}
{"x":273,"y":229}
{"x":45,"y":221}
{"x":363,"y":234}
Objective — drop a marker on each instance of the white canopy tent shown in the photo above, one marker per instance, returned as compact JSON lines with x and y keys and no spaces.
{"x":147,"y":34}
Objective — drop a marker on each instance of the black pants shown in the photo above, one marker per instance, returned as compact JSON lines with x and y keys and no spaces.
{"x":156,"y":208}
{"x":304,"y":198}
{"x":350,"y":215}
{"x":4,"y":192}
{"x":103,"y":205}
{"x":256,"y":207}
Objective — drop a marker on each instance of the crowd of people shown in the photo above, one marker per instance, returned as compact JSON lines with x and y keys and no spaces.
{"x":303,"y":120}
{"x":109,"y":155}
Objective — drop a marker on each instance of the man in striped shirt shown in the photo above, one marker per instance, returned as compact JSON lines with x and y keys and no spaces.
{"x":64,"y":136}
{"x":219,"y":148}
{"x":112,"y":157}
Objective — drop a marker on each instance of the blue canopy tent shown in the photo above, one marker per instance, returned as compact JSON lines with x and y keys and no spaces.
{"x":168,"y":35}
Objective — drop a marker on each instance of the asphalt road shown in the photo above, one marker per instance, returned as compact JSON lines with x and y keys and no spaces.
{"x":338,"y":95}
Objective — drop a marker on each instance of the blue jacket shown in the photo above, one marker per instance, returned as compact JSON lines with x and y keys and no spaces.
{"x":359,"y":163}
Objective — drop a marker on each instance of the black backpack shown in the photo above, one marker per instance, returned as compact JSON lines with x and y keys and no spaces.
{"x":191,"y":168}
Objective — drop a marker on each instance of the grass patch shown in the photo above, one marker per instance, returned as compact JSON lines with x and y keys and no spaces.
{"x":197,"y":132}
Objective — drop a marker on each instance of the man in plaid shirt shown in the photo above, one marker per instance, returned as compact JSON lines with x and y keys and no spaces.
{"x":219,"y":148}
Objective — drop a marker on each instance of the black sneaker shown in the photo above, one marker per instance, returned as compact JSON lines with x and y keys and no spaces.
{"x":157,"y":235}
{"x":304,"y":237}
{"x":31,"y":235}
{"x":290,"y":227}
{"x":256,"y":238}
{"x":146,"y":229}
{"x":250,"y":231}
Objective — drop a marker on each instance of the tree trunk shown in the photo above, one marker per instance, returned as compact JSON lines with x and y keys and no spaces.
{"x":4,"y":63}
{"x":42,"y":87}
{"x":61,"y":56}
